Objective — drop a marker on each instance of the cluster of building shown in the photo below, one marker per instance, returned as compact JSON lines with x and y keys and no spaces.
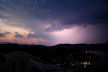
{"x":23,"y":62}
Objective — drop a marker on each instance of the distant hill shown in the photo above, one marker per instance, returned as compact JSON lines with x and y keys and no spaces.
{"x":60,"y":48}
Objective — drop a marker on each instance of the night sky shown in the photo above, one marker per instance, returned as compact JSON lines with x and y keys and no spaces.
{"x":50,"y":22}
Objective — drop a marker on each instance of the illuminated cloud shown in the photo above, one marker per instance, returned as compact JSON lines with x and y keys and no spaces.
{"x":30,"y":40}
{"x":80,"y":34}
{"x":54,"y":21}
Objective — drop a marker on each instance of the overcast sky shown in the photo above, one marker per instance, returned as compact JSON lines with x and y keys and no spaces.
{"x":50,"y":22}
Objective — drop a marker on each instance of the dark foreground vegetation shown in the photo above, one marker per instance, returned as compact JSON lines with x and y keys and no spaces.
{"x":58,"y":58}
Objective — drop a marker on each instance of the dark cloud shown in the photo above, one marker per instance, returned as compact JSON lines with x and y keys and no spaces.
{"x":7,"y":33}
{"x":17,"y":35}
{"x":75,"y":12}
{"x":4,"y":34}
{"x":56,"y":26}
{"x":68,"y":12}
{"x":100,"y":18}
{"x":30,"y":35}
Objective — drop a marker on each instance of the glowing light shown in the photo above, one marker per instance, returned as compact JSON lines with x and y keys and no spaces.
{"x":89,"y":62}
{"x":72,"y":35}
{"x":13,"y":29}
{"x":86,"y":63}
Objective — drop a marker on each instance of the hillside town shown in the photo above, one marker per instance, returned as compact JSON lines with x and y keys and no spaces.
{"x":82,"y":60}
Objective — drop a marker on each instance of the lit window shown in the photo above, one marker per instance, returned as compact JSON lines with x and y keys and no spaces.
{"x":89,"y":63}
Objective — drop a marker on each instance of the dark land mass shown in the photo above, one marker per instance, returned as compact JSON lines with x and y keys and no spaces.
{"x":97,"y":52}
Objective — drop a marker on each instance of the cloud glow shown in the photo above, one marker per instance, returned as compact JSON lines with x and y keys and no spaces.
{"x":52,"y":22}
